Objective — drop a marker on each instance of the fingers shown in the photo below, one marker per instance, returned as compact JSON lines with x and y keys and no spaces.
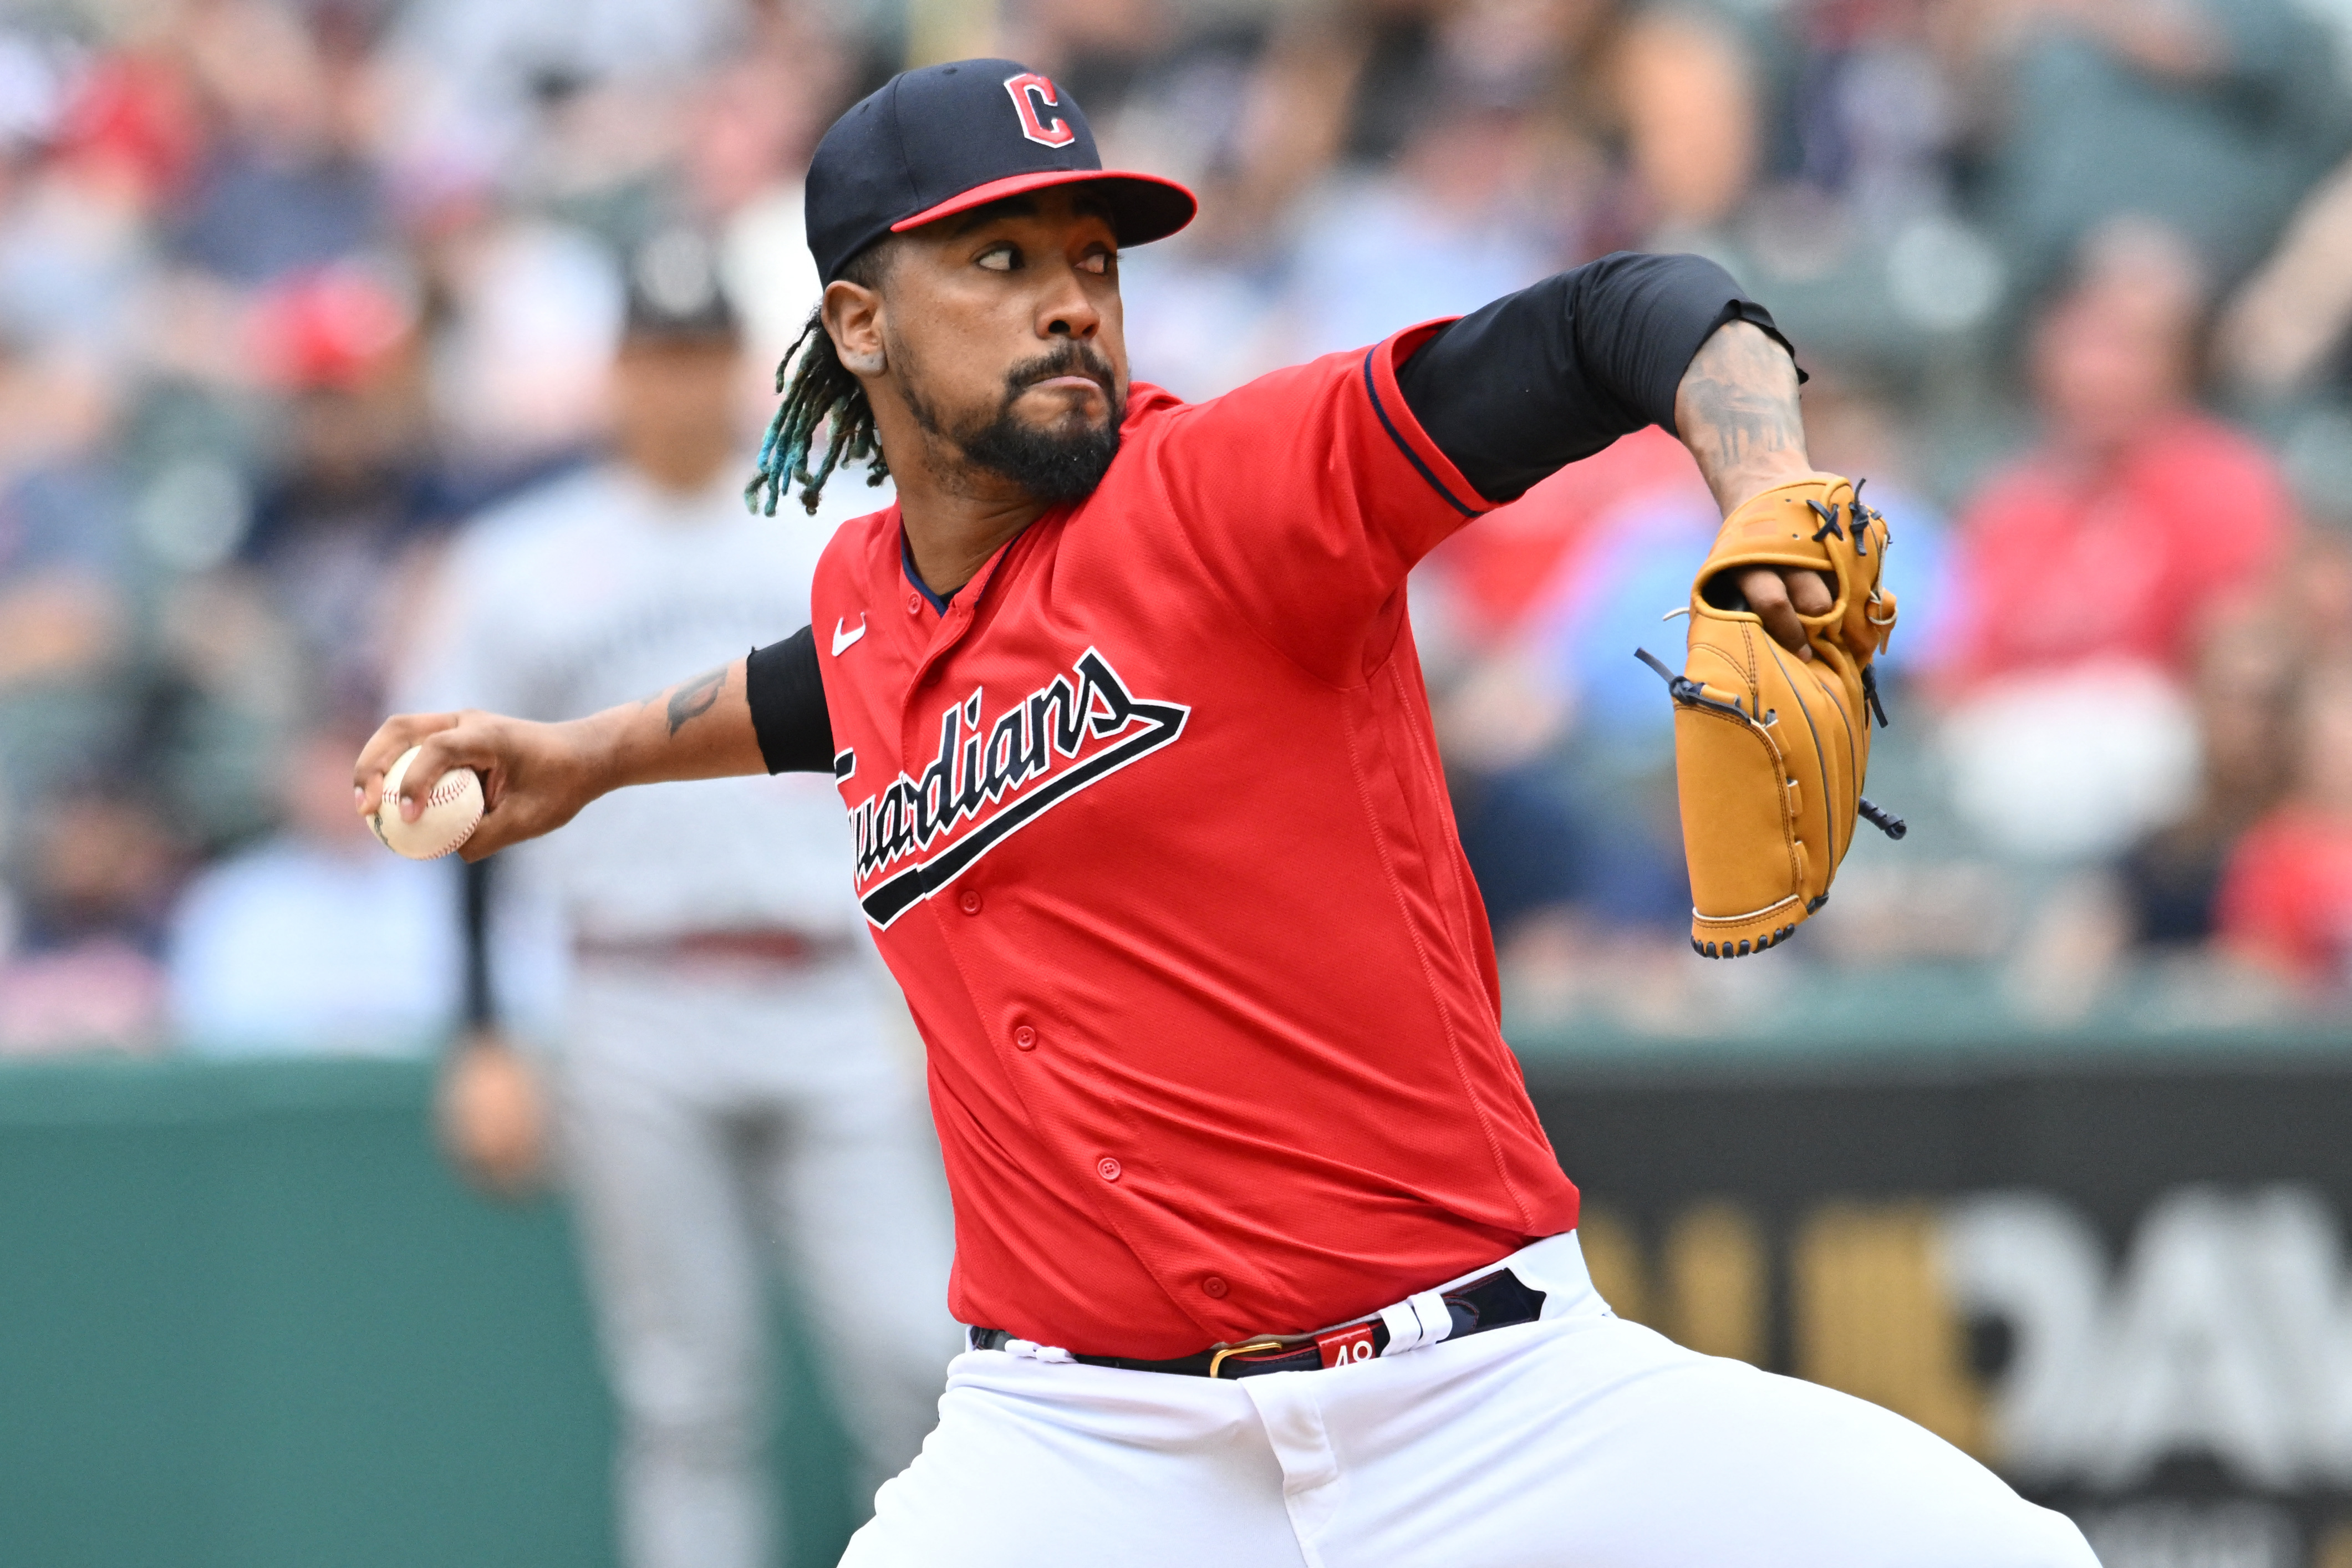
{"x":444,"y":741}
{"x":395,"y":735}
{"x":1810,"y":591}
{"x":1768,"y":597}
{"x":479,"y":740}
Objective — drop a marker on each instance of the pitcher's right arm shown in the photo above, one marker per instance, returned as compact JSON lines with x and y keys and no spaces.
{"x":536,"y":777}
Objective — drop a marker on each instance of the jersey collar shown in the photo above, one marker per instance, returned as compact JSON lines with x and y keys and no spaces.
{"x":978,"y":578}
{"x":907,"y":564}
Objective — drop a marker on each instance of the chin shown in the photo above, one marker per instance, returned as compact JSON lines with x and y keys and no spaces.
{"x":1065,"y":425}
{"x":1061,"y":459}
{"x":1075,"y":426}
{"x":1065,"y":413}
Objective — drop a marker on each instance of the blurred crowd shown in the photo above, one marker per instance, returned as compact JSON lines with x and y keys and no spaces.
{"x":290,"y":289}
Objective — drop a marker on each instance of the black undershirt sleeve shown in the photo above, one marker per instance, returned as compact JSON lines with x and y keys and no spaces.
{"x":1528,"y":384}
{"x":787,"y":698}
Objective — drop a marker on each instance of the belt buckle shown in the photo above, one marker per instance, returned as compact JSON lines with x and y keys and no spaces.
{"x":1218,"y":1355}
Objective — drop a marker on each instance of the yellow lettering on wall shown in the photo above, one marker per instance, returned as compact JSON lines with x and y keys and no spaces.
{"x":1614,"y":1258}
{"x":1715,"y":1271}
{"x":1870,"y":1317}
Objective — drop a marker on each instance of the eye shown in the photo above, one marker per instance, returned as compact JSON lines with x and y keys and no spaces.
{"x":1002,"y":257}
{"x":1101,"y":263}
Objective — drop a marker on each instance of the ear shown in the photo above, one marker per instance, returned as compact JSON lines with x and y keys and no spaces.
{"x":853,"y":319}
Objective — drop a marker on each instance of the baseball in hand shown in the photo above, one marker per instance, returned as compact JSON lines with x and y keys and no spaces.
{"x":451,"y":812}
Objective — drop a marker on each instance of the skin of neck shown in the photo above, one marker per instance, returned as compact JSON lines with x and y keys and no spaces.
{"x":964,"y":305}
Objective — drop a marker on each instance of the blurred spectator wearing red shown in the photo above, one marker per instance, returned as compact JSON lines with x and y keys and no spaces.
{"x":2088,"y":570}
{"x":356,"y":484}
{"x":133,"y":118}
{"x":2138,"y":514}
{"x":2286,"y":900}
{"x":2243,"y":693}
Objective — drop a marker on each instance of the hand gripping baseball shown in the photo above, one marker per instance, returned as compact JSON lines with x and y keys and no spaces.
{"x":1771,"y":749}
{"x":535,"y":777}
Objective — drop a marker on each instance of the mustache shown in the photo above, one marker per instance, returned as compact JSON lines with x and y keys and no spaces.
{"x":1071,"y":358}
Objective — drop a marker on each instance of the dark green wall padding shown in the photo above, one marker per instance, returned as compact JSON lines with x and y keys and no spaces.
{"x":247,"y":1320}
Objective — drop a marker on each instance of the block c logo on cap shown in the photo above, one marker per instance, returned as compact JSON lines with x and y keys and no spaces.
{"x":1031,"y":92}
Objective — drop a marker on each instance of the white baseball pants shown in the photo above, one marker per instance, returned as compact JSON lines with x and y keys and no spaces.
{"x":1578,"y":1441}
{"x":712,"y":1122}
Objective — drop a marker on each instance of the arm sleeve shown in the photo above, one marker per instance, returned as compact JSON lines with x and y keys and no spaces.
{"x":786,"y":692}
{"x":1520,"y":389}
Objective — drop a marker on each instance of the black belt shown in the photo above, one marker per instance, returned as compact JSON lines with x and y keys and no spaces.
{"x":1496,"y":1301}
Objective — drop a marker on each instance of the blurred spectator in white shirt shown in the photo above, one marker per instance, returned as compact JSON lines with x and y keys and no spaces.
{"x":317,"y":939}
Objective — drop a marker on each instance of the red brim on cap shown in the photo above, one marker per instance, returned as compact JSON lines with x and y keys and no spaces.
{"x":1146,"y":207}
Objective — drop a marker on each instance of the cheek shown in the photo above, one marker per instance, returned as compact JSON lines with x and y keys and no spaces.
{"x":948,"y":381}
{"x":961,"y":356}
{"x":1112,"y":337}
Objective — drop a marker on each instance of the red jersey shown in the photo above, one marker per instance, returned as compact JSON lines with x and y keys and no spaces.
{"x":1151,"y":828}
{"x":2060,"y":568}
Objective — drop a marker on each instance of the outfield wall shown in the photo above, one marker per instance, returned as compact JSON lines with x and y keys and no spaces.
{"x":246,"y":1320}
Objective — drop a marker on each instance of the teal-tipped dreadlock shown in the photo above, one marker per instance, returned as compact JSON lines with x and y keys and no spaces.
{"x":819,"y":393}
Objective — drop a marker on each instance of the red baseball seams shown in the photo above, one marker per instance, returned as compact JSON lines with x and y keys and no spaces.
{"x":1174,"y":739}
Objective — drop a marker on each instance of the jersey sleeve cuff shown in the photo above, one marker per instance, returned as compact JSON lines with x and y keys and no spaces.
{"x":1435,"y":468}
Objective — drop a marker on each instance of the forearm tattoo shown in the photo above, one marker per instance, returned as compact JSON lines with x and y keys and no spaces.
{"x":695,"y":698}
{"x":1737,"y":402}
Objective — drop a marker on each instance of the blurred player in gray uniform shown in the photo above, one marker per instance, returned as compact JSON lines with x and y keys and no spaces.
{"x":729,"y":1078}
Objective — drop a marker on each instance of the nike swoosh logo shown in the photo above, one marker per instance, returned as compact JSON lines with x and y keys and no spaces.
{"x":841,"y":639}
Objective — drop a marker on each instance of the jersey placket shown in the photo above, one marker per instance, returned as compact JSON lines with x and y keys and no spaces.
{"x":922,"y":716}
{"x":1110,"y":1173}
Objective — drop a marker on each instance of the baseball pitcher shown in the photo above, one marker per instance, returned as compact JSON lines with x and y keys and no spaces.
{"x":1263,"y":1258}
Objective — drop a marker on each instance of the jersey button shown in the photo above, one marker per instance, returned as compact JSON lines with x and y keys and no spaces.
{"x":1107,"y":1168}
{"x":1025,"y":1037}
{"x":914,"y":604}
{"x":969,"y":902}
{"x":1216,"y":1286}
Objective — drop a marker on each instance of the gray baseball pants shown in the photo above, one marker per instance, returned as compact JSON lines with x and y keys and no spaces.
{"x":711,"y":1120}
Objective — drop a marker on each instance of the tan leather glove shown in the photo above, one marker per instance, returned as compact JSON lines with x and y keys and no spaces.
{"x":1770,"y":750}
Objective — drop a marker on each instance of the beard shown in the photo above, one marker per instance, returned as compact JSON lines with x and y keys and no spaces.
{"x":1059,"y":462}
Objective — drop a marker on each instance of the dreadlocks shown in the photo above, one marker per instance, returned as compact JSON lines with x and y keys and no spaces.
{"x":819,"y":393}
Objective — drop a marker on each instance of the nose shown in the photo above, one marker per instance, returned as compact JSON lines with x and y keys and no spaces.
{"x":1066,"y":312}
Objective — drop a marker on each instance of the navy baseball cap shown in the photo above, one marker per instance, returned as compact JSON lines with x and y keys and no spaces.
{"x":931,"y":142}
